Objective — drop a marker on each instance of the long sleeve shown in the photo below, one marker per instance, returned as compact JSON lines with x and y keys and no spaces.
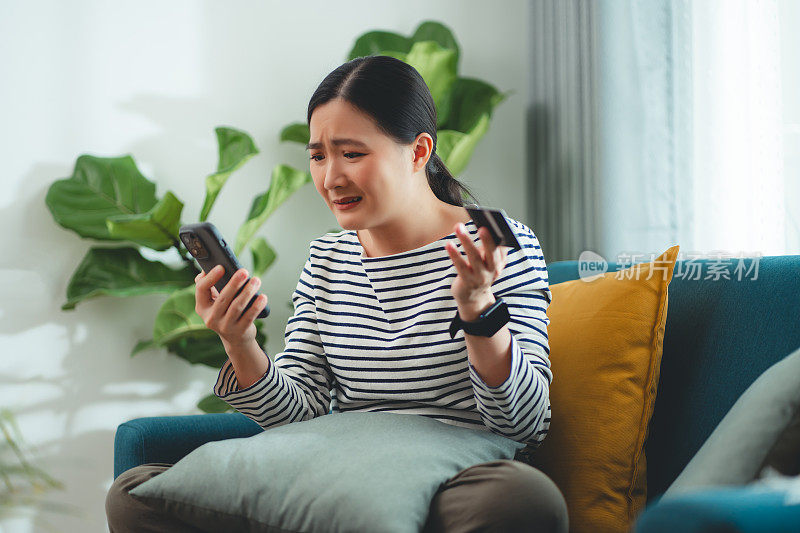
{"x":519,"y":408}
{"x":297,"y":384}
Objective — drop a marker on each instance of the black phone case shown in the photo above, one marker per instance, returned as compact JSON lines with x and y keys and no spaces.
{"x":495,"y":221}
{"x":219,"y":253}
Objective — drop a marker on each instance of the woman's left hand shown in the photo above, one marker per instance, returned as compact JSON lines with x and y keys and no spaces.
{"x":484,"y":263}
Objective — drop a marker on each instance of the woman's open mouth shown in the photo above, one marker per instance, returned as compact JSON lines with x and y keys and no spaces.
{"x":349,"y":204}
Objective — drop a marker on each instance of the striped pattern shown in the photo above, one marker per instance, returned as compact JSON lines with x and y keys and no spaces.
{"x":371,"y":334}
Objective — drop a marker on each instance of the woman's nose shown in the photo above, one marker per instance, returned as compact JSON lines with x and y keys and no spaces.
{"x":333,"y":176}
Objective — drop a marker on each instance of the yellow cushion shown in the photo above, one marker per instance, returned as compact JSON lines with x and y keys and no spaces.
{"x":606,"y":337}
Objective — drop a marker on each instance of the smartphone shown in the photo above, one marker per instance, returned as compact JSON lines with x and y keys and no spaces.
{"x":209,"y":249}
{"x":495,"y":221}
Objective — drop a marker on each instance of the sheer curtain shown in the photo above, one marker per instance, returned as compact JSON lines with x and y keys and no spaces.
{"x":693,"y":127}
{"x":695,"y":144}
{"x":738,"y":165}
{"x":645,"y":101}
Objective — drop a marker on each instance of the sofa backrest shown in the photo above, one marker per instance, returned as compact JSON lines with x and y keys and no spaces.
{"x":721,"y":334}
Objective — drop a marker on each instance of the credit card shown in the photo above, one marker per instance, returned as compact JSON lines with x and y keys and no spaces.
{"x":495,"y":221}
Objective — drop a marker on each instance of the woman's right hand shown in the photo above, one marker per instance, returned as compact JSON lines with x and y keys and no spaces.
{"x":221,"y":312}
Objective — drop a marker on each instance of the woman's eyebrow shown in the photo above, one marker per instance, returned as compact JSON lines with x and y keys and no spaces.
{"x":336,"y":142}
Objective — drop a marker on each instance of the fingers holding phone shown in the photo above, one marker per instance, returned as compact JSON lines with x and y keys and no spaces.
{"x":205,"y":293}
{"x":243,"y":299}
{"x":227,"y":311}
{"x":206,"y":244}
{"x":226,"y":299}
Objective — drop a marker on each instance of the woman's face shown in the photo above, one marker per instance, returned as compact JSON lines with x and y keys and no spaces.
{"x":350,"y":156}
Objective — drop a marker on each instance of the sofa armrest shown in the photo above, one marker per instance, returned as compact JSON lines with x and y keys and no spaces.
{"x":166,"y":439}
{"x":742,"y":509}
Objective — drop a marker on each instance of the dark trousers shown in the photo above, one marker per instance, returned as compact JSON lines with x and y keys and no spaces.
{"x":504,"y":496}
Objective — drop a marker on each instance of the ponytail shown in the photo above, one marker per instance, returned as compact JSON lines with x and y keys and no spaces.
{"x":444,"y":185}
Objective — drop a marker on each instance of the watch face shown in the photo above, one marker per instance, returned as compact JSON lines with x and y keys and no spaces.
{"x":490,"y":321}
{"x":492,"y":308}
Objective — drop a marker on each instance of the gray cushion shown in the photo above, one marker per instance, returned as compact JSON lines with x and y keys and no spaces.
{"x":761,"y":430}
{"x":351,"y":471}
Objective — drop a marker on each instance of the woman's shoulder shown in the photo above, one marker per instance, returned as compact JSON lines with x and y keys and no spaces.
{"x":339,"y":244}
{"x":526,"y":237}
{"x":519,"y":228}
{"x":336,"y":236}
{"x":528,"y":261}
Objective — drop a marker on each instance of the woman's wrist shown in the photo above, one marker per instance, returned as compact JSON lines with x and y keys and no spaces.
{"x":243,"y":347}
{"x":470,"y":311}
{"x":249,"y":362}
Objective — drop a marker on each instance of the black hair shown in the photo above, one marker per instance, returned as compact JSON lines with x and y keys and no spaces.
{"x":396,"y":97}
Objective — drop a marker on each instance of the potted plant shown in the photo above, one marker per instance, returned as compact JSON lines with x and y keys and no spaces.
{"x":108,"y":199}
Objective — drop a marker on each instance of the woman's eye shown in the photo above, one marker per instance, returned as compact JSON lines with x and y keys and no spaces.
{"x":347,"y":154}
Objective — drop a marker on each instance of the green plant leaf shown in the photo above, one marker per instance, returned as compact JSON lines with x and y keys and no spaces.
{"x":296,"y":132}
{"x":180,"y":329}
{"x":202,"y":347}
{"x":471,"y":106}
{"x":36,"y":480}
{"x":470,"y":99}
{"x":378,"y":43}
{"x":285,"y":181}
{"x":397,"y":55}
{"x":263,"y":255}
{"x":456,"y":148}
{"x":122,"y":272}
{"x":235,"y":149}
{"x":434,"y":31}
{"x":142,"y":346}
{"x":156,"y":229}
{"x":100,"y":187}
{"x":214,"y":404}
{"x":432,"y":50}
{"x":437,"y":66}
{"x":177,"y":317}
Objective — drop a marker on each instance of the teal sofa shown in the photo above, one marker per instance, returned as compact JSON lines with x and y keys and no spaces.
{"x":721,"y":334}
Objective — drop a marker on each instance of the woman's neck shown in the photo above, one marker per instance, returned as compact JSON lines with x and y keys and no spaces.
{"x":412,"y":232}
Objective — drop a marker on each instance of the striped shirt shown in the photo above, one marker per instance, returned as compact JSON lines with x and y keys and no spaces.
{"x":371,"y":334}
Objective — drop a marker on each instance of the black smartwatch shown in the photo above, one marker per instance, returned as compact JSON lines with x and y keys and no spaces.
{"x":486,"y":325}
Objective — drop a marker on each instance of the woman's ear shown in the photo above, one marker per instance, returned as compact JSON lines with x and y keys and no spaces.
{"x":423,"y":150}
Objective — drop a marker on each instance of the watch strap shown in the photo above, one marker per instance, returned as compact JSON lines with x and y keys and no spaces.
{"x":487,"y":324}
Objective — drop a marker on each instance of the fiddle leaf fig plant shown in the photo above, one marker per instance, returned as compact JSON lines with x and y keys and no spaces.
{"x":464,"y":105}
{"x":109,"y":200}
{"x":238,"y":150}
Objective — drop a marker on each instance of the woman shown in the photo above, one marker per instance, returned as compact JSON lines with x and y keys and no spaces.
{"x":374,"y":305}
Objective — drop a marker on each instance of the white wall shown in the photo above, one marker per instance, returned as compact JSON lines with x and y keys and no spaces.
{"x":789,"y":14}
{"x":153,"y":79}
